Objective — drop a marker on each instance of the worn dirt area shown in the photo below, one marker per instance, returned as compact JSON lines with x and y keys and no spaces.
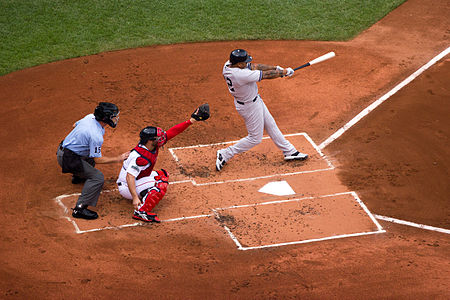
{"x":396,"y":159}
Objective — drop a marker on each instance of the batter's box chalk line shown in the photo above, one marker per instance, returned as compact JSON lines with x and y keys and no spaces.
{"x":306,"y":136}
{"x":355,"y":196}
{"x":78,"y":231}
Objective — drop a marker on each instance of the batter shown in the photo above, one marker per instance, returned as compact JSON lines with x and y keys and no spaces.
{"x":241,"y":77}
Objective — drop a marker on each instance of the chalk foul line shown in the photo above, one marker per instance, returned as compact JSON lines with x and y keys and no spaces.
{"x":386,"y":96}
{"x":408,"y":223}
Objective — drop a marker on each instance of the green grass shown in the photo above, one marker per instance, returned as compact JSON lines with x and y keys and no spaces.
{"x":34,"y":32}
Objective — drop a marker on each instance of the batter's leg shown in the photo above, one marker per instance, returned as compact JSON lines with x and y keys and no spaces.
{"x":253,"y":116}
{"x":275,"y":134}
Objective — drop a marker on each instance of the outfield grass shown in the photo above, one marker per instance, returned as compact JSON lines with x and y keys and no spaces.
{"x":33,"y":32}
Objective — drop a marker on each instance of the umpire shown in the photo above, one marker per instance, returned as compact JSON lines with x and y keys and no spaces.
{"x":81,"y":150}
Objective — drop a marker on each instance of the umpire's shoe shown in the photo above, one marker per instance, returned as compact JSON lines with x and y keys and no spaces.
{"x":296,"y":156}
{"x":146,"y":217}
{"x":220,"y":161}
{"x":82,"y":212}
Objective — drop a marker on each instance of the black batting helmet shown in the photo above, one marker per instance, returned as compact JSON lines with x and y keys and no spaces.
{"x":107,"y":112}
{"x":239,"y":55}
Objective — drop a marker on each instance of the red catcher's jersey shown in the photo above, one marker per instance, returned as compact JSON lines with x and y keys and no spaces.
{"x":146,"y":157}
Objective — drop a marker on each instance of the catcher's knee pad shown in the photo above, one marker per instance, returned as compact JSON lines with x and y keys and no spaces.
{"x":163,"y":175}
{"x":156,"y":193}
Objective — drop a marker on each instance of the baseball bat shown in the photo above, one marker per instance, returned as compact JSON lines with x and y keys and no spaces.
{"x":317,"y":60}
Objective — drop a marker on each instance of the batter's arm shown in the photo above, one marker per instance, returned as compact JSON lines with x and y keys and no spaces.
{"x":268,"y":71}
{"x":262,"y":67}
{"x":271,"y":74}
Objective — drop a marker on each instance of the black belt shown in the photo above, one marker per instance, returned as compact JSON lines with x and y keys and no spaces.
{"x":242,"y":103}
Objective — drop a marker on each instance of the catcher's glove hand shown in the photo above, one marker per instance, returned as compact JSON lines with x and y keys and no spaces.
{"x":201,"y":113}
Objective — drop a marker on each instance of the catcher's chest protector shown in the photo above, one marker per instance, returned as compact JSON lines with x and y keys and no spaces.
{"x":146,"y":157}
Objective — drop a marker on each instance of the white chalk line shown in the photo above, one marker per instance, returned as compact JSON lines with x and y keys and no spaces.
{"x":386,"y":96}
{"x":313,"y":240}
{"x":304,"y":134}
{"x":364,"y":207}
{"x":408,"y":223}
{"x":230,"y":234}
{"x":357,"y":199}
{"x":138,"y":223}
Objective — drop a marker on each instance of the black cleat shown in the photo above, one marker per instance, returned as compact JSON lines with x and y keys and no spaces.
{"x":84,"y":213}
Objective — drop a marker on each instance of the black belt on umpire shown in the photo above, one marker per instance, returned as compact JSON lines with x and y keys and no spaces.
{"x":89,"y":160}
{"x":242,"y":103}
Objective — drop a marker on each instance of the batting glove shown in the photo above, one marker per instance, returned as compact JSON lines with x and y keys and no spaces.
{"x":279,"y":68}
{"x":289,"y":72}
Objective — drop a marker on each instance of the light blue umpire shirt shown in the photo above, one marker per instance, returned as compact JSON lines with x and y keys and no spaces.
{"x":86,"y":139}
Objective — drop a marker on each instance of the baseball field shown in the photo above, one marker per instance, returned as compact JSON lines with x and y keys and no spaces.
{"x":367,"y":216}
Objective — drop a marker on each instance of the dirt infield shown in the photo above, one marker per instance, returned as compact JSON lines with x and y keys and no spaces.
{"x":396,"y":160}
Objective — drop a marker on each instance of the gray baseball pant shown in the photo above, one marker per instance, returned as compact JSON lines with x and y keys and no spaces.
{"x":257,"y":118}
{"x":93,"y":185}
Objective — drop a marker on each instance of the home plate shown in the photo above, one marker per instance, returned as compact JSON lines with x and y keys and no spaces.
{"x":277,"y":188}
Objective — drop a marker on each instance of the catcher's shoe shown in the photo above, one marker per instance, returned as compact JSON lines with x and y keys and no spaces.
{"x":84,"y":213}
{"x":220,"y":161}
{"x":146,"y":217}
{"x":296,"y":156}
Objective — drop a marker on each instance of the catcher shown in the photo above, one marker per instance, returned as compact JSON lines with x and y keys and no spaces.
{"x":137,"y":180}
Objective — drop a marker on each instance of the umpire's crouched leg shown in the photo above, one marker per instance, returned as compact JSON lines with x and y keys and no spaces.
{"x":90,"y":193}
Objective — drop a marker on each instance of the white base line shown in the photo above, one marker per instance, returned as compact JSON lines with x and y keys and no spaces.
{"x":235,"y":240}
{"x":133,"y":224}
{"x":421,"y":226}
{"x":372,"y":106}
{"x":305,"y":135}
{"x":313,"y":240}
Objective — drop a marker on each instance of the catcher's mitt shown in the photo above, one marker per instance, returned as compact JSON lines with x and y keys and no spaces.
{"x":201,"y":113}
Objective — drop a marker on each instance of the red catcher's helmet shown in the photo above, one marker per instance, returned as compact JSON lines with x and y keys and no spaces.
{"x":151,"y":133}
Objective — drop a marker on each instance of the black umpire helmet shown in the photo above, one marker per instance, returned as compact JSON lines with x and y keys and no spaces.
{"x":107,"y":112}
{"x":239,"y":55}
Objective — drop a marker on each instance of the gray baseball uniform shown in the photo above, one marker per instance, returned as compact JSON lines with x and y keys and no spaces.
{"x":242,"y":86}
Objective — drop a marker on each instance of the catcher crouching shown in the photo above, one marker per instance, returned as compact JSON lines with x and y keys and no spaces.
{"x":137,"y":180}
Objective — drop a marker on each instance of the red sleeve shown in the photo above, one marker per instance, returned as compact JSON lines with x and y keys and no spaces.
{"x":175,"y":130}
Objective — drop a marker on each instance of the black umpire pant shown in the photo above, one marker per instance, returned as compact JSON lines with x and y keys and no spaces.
{"x":94,"y":180}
